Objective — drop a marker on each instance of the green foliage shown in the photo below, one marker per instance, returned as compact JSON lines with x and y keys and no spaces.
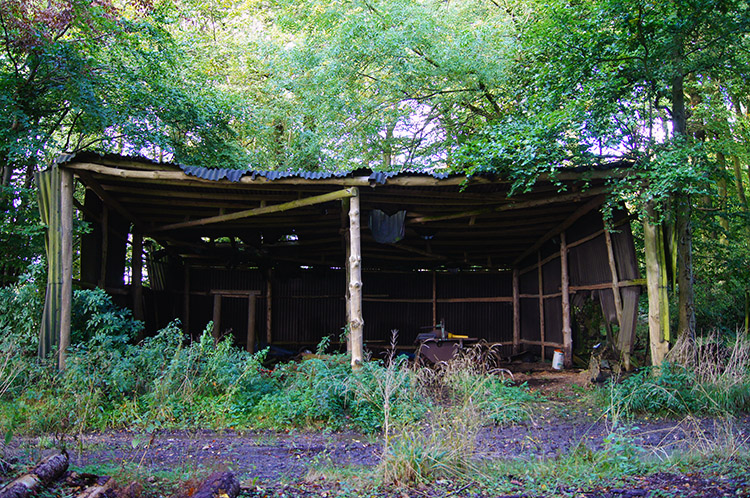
{"x":323,"y":392}
{"x":21,"y":307}
{"x":95,"y":317}
{"x":673,"y":389}
{"x":21,"y":233}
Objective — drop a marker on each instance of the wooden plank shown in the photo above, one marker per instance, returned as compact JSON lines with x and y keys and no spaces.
{"x":567,"y":331}
{"x":516,"y":313}
{"x":356,"y":324}
{"x":276,"y":208}
{"x":250,"y":343}
{"x":66,"y":256}
{"x":542,"y":343}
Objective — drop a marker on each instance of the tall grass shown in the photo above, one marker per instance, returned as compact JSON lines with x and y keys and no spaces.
{"x":706,"y":375}
{"x":468,"y":393}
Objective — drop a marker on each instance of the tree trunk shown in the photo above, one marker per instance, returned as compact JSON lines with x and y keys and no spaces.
{"x":686,"y":306}
{"x":683,"y":211}
{"x":658,"y":309}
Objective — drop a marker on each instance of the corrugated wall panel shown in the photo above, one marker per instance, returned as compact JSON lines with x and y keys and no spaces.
{"x":551,"y":277}
{"x":589,"y":263}
{"x":407,"y":318}
{"x":492,"y":322}
{"x":530,"y":319}
{"x":553,"y":320}
{"x":474,"y":284}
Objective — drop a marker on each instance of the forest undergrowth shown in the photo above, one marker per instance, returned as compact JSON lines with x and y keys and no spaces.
{"x":427,"y":420}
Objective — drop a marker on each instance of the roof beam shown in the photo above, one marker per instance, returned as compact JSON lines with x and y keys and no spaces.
{"x":514,"y":206}
{"x":276,"y":208}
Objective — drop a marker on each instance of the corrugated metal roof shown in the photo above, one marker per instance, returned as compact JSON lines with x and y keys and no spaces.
{"x":235,"y":175}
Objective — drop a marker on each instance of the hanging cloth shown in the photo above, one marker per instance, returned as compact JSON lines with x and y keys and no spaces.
{"x":387,"y":229}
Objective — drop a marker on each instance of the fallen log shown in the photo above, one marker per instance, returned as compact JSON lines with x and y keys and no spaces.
{"x":99,"y":489}
{"x":48,"y":470}
{"x":218,"y":485}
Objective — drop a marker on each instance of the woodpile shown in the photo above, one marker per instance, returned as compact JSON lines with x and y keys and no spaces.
{"x":52,"y":472}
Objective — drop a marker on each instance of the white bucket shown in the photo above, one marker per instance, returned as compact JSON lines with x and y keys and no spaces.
{"x":557,"y":359}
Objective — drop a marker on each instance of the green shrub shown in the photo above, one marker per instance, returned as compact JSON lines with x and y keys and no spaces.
{"x":323,"y":391}
{"x":93,"y":313}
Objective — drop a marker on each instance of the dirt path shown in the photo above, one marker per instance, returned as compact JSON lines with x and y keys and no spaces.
{"x":270,"y":457}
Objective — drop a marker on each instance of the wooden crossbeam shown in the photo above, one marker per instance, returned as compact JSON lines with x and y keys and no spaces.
{"x":556,"y":199}
{"x":276,"y":208}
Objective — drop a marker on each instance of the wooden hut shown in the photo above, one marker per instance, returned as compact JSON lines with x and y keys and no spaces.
{"x":284,"y":258}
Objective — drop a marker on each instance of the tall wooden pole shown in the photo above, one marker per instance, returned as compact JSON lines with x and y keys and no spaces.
{"x":567,"y":331}
{"x":541,"y":300}
{"x":356,"y":323}
{"x":347,"y":267}
{"x":516,"y":313}
{"x":66,"y":227}
{"x":658,"y":311}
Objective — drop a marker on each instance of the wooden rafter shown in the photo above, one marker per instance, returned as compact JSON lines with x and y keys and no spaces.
{"x":309,"y":201}
{"x":558,"y":199}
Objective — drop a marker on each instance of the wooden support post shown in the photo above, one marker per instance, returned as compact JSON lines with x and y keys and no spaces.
{"x":434,"y":299}
{"x":356,"y":323}
{"x":186,"y":302}
{"x":105,"y":247}
{"x":66,"y":252}
{"x":658,"y":310}
{"x":269,"y":308}
{"x":136,"y":281}
{"x":615,"y":280}
{"x":624,"y":341}
{"x":516,"y":313}
{"x":347,"y":268}
{"x":250,"y":346}
{"x":541,"y":301}
{"x":216,"y":331}
{"x":567,"y":331}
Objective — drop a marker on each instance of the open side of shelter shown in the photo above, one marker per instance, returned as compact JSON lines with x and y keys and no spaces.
{"x":284,"y":258}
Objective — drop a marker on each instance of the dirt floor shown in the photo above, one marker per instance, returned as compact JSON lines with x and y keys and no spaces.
{"x":273,"y":464}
